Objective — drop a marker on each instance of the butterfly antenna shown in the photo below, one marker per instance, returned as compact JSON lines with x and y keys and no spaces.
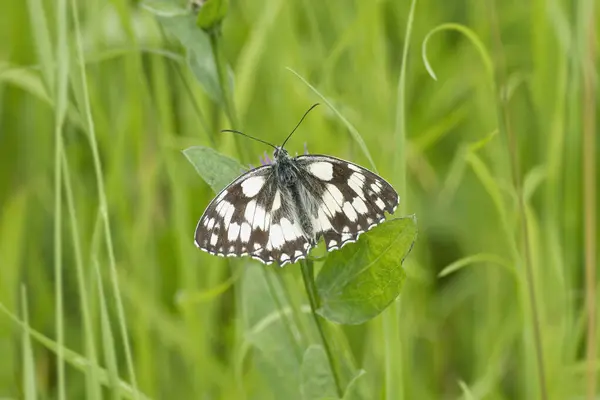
{"x":301,"y":119}
{"x":251,"y":137}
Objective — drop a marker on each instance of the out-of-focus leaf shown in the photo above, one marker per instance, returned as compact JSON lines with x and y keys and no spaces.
{"x":360,"y":280}
{"x":353,"y":391}
{"x":164,"y":8}
{"x":199,"y":52}
{"x":268,"y":330}
{"x":215,"y":168}
{"x":212,"y":13}
{"x":317,"y":379}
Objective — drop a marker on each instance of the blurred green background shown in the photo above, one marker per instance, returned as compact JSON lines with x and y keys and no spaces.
{"x":96,"y":195}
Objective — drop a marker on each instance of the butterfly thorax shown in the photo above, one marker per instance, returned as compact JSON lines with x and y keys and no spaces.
{"x":289,"y":181}
{"x":285,"y":169}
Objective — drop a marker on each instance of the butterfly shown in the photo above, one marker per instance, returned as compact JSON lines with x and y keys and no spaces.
{"x":279,"y":211}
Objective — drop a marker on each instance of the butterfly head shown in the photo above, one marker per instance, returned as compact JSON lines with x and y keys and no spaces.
{"x":280,"y":153}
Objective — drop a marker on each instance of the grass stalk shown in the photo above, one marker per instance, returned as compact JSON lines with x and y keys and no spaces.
{"x":103,"y":208}
{"x":29,"y":378}
{"x":513,"y":150}
{"x":215,"y":37}
{"x":60,"y":94}
{"x":92,"y":383}
{"x":58,"y":273}
{"x":589,"y":197}
{"x":313,"y":299}
{"x":394,"y":386}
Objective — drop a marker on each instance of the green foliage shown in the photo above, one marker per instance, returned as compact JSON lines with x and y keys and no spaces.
{"x":211,"y":14}
{"x":317,"y":380}
{"x":359,"y":281}
{"x":199,"y":54}
{"x":216,"y":169}
{"x":98,"y":205}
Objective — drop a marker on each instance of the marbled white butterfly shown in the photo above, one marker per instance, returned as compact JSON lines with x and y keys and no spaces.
{"x":279,"y":211}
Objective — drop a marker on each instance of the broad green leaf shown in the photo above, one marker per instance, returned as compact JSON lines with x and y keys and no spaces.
{"x":215,"y":168}
{"x":317,"y":379}
{"x":360,"y":280}
{"x":212,"y":13}
{"x":164,"y":8}
{"x":199,"y":52}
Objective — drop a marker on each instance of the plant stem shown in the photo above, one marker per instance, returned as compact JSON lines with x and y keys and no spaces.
{"x":226,"y":94}
{"x":513,"y":150}
{"x":394,"y":375}
{"x":103,"y":203}
{"x":311,"y":292}
{"x":589,"y":196}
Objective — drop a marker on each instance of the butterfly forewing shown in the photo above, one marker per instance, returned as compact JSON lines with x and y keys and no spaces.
{"x":233,"y":224}
{"x":349,"y":199}
{"x":253,"y":216}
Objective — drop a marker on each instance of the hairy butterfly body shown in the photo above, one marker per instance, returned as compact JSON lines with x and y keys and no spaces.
{"x":278,"y":212}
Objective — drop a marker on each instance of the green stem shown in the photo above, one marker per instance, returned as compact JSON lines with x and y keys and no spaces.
{"x":394,"y":374}
{"x":311,"y":291}
{"x":103,"y":203}
{"x":226,"y":94}
{"x":504,"y":124}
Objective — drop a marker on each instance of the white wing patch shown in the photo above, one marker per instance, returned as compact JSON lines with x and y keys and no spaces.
{"x":276,"y":201}
{"x":322,"y":170}
{"x":252,"y":185}
{"x":350,"y":211}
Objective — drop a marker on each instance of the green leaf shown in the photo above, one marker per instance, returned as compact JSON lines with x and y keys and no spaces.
{"x":317,"y":380}
{"x":353,"y":390}
{"x":360,"y":280}
{"x":164,"y":8}
{"x":212,"y":13}
{"x":199,"y":52}
{"x":215,"y":168}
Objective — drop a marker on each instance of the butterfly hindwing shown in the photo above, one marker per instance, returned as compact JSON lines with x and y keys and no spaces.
{"x":348,"y":199}
{"x":287,"y":241}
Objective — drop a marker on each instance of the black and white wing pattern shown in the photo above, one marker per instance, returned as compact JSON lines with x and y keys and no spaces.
{"x":278,"y":212}
{"x":348,"y":199}
{"x":253,"y":216}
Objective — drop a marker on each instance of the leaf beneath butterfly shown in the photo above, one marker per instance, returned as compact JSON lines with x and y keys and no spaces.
{"x":216,"y":169}
{"x":360,"y":280}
